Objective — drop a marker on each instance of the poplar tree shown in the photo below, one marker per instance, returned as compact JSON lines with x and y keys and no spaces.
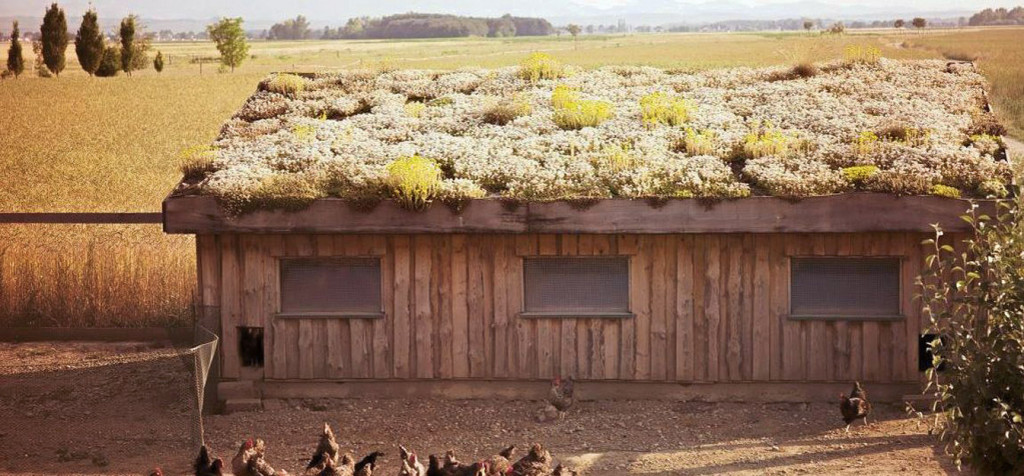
{"x":15,"y":60}
{"x":54,"y":38}
{"x":89,"y":43}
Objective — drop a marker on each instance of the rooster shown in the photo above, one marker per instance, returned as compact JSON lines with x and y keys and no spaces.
{"x":205,"y":465}
{"x":536,"y":463}
{"x":326,"y":450}
{"x":366,"y":465}
{"x":240,"y":463}
{"x":257,"y":464}
{"x":561,"y":395}
{"x":854,"y":407}
{"x":409,"y":460}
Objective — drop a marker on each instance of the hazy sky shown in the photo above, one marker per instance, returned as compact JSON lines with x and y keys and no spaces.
{"x":341,"y":9}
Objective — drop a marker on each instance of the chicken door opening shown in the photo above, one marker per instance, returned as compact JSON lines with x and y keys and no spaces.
{"x":250,"y":346}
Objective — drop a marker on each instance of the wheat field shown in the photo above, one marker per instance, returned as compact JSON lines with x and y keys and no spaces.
{"x":88,"y":144}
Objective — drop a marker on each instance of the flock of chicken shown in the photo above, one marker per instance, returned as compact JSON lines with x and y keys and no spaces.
{"x":328,"y":461}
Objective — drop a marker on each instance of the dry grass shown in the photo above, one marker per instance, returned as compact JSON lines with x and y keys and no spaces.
{"x":89,"y":144}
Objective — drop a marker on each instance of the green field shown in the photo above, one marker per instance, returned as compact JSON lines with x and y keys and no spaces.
{"x":91,"y":144}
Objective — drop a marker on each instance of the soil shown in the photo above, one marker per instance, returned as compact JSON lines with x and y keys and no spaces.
{"x":125,"y":408}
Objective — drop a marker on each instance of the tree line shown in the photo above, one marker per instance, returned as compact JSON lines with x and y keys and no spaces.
{"x":414,"y":25}
{"x":97,"y":57}
{"x":999,"y":16}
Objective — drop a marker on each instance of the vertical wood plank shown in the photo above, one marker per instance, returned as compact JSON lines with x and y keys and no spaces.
{"x":684,"y":279}
{"x":779,"y":264}
{"x":912,"y":270}
{"x":381,"y":328}
{"x":567,"y":347}
{"x":793,"y":361}
{"x":658,"y":334}
{"x":733,"y":356}
{"x":421,"y":304}
{"x":628,"y":245}
{"x":477,"y":350}
{"x":526,"y":353}
{"x":337,"y":347}
{"x":762,"y":315}
{"x":547,"y":330}
{"x":501,"y":316}
{"x":640,"y":299}
{"x":514,"y":301}
{"x":306,"y":351}
{"x":442,"y":290}
{"x":460,"y":312}
{"x":487,"y":276}
{"x":874,"y":245}
{"x":712,"y":304}
{"x":817,"y":345}
{"x":671,"y":252}
{"x":275,"y":350}
{"x":700,"y":320}
{"x":293,"y":347}
{"x":607,"y":332}
{"x":747,"y":309}
{"x":231,"y":304}
{"x":898,"y":330}
{"x":402,"y":320}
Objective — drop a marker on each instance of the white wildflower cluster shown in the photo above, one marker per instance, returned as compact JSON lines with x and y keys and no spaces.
{"x":916,"y":121}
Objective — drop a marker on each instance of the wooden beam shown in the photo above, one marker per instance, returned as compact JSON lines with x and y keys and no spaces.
{"x":850,"y":212}
{"x":153,"y":218}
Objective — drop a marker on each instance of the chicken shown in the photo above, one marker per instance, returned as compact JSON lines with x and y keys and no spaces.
{"x":452,"y":467}
{"x":326,"y":449}
{"x":500,"y":464}
{"x":366,"y":465}
{"x":156,"y":472}
{"x":415,"y":468}
{"x":854,"y":407}
{"x":240,"y":463}
{"x":433,"y":468}
{"x":561,"y":470}
{"x":562,"y":396}
{"x":345,"y":467}
{"x":205,"y":465}
{"x":536,"y":463}
{"x":257,"y":464}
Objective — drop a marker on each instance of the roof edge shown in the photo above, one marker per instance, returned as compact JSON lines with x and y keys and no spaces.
{"x":842,"y":213}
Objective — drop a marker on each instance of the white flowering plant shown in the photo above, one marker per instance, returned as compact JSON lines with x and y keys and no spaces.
{"x":717,"y":134}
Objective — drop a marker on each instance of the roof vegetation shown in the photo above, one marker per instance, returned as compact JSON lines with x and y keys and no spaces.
{"x":544,"y":131}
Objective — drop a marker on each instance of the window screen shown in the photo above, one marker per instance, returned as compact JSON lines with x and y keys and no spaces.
{"x":845,"y":287}
{"x":331,"y":285}
{"x":578,"y":285}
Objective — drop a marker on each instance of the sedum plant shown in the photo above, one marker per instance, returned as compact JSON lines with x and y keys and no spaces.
{"x":573,"y":113}
{"x":766,"y":141}
{"x":540,"y":66}
{"x":973,"y":296}
{"x":866,"y":144}
{"x":414,"y":181}
{"x":660,"y":108}
{"x":506,"y":110}
{"x":699,"y":143}
{"x":944,"y":191}
{"x":862,"y":54}
{"x":196,"y":161}
{"x":859,"y":174}
{"x":288,"y":84}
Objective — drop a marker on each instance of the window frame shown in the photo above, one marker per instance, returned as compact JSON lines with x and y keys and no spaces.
{"x":280,"y":313}
{"x":628,"y":314}
{"x":899,"y":316}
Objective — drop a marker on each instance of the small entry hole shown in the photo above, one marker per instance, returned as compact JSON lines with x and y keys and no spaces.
{"x":250,"y":346}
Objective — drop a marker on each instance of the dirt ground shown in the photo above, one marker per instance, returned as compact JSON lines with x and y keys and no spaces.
{"x":78,"y":408}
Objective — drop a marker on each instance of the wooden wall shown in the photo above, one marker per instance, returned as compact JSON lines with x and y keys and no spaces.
{"x":709,"y":308}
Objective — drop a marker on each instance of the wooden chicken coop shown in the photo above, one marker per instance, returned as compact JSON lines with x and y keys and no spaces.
{"x":752,"y":298}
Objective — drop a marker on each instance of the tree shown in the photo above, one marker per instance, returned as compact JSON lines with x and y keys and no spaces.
{"x":230,"y":39}
{"x":838,"y":28}
{"x":158,"y":62}
{"x":291,"y":29}
{"x":919,"y":23}
{"x":89,"y":43}
{"x":899,"y":23}
{"x":110,"y":63}
{"x":808,"y":25}
{"x":127,"y":34}
{"x":55,"y":39}
{"x":15,"y":60}
{"x":573,"y":30}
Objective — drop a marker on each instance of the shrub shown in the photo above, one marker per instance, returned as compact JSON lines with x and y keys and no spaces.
{"x":196,"y":161}
{"x":859,"y":174}
{"x":506,"y":111}
{"x":286,"y":84}
{"x":973,"y":299}
{"x":540,"y":66}
{"x":699,"y":143}
{"x":944,"y":191}
{"x":866,"y":144}
{"x":414,"y":181}
{"x":660,"y":108}
{"x":862,"y":54}
{"x":572,"y":113}
{"x":158,"y":62}
{"x":805,"y":70}
{"x":110,"y":64}
{"x":766,"y":140}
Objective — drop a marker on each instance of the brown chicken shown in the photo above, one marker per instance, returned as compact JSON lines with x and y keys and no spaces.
{"x":205,"y":465}
{"x":411,"y":466}
{"x":452,"y":466}
{"x":240,"y":463}
{"x":536,"y":463}
{"x":561,"y":470}
{"x":501,"y":463}
{"x":562,"y":395}
{"x":368,"y":464}
{"x":344,"y":467}
{"x":326,"y":449}
{"x":854,"y":407}
{"x":257,"y":464}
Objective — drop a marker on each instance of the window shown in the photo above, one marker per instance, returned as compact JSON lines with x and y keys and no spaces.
{"x":331,"y":287}
{"x":576,"y":287}
{"x":838,"y":287}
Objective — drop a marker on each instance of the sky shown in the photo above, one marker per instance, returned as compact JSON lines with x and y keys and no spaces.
{"x":343,"y":9}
